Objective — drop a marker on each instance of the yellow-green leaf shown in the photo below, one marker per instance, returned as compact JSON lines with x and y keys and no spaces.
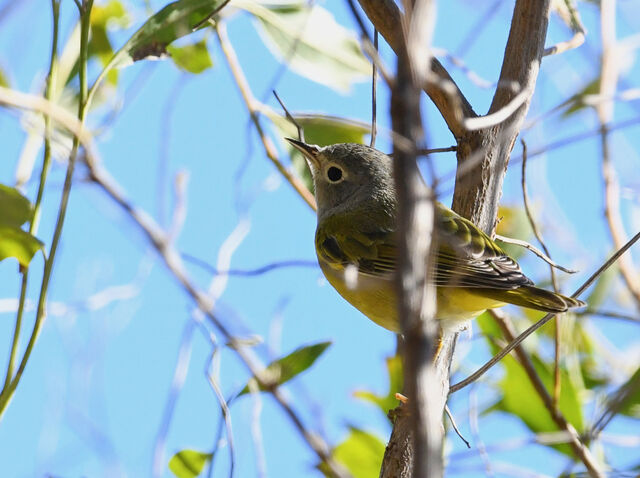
{"x":520,"y":398}
{"x":285,"y":368}
{"x":361,"y":453}
{"x":15,"y":209}
{"x":388,"y":401}
{"x":188,"y":463}
{"x":19,"y":244}
{"x":193,"y":58}
{"x":174,"y":21}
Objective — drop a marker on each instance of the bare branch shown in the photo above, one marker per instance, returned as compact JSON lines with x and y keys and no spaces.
{"x":455,"y":426}
{"x":520,"y":338}
{"x":173,"y":262}
{"x":290,"y":117}
{"x":247,"y":96}
{"x":535,"y":250}
{"x":579,"y":448}
{"x":445,"y":94}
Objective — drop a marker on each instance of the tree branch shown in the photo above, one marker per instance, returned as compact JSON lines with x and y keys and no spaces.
{"x":579,"y":448}
{"x":478,"y":190}
{"x":416,"y":292}
{"x":443,"y":91}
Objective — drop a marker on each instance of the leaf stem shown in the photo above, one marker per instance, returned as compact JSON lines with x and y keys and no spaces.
{"x":46,"y":163}
{"x":85,"y":23}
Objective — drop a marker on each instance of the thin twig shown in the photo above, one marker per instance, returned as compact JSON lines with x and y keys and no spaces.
{"x":576,"y":40}
{"x":499,"y":116}
{"x":8,"y":391}
{"x":443,"y":91}
{"x":425,"y":152}
{"x":609,"y":73}
{"x":224,"y":407}
{"x":520,"y":338}
{"x":247,"y":96}
{"x":455,"y":426}
{"x":554,"y":282}
{"x":374,"y":98}
{"x":179,"y":376}
{"x":535,"y":250}
{"x":17,"y":99}
{"x":173,"y":262}
{"x":249,"y":272}
{"x":46,"y":163}
{"x":615,"y":402}
{"x":579,"y":448}
{"x":290,"y":117}
{"x":475,"y":431}
{"x":611,"y":314}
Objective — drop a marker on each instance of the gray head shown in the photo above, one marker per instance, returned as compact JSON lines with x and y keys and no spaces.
{"x":348,"y":175}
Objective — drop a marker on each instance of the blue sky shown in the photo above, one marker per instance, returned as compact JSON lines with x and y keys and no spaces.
{"x":91,"y":401}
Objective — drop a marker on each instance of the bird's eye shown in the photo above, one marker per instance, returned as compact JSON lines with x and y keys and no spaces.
{"x":334,"y":174}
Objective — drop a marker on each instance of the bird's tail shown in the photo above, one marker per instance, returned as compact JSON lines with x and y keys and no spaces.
{"x":535,"y":298}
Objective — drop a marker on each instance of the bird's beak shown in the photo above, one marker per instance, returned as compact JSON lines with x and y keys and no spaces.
{"x":309,"y":151}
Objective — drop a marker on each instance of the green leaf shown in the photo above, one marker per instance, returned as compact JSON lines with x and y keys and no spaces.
{"x":193,"y":58}
{"x":310,"y":41}
{"x":388,"y":401}
{"x":361,"y":453}
{"x":102,"y":17}
{"x":630,"y":402}
{"x":285,"y":368}
{"x":4,"y":79}
{"x":576,"y":102}
{"x":14,"y":242}
{"x":514,"y":224}
{"x":602,"y":289}
{"x":15,"y":209}
{"x":189,"y":463}
{"x":174,"y":21}
{"x":520,"y":398}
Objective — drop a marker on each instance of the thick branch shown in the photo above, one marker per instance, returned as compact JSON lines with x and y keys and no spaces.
{"x":483,"y":155}
{"x":443,"y":91}
{"x":415,"y":219}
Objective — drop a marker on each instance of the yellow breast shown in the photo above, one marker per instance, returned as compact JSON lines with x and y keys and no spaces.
{"x":376,"y":298}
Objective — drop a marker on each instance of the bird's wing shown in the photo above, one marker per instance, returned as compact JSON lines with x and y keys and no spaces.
{"x":466,"y":257}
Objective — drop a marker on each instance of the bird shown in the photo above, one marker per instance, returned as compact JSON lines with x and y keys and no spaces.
{"x":357,"y":249}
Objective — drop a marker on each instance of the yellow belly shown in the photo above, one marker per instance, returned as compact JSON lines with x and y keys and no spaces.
{"x":376,"y":298}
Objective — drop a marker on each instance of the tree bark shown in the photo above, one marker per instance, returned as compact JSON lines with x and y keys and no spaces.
{"x":483,"y":156}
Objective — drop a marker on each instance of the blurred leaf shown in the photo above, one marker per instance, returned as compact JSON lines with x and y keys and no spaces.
{"x":388,"y":401}
{"x":175,"y":20}
{"x":318,"y":129}
{"x":602,"y":290}
{"x":188,"y":463}
{"x":15,"y":209}
{"x":311,"y":42}
{"x":576,"y":102}
{"x":14,"y":242}
{"x":514,"y":224}
{"x":520,"y":398}
{"x":4,"y":79}
{"x":361,"y":453}
{"x":630,"y":404}
{"x":193,"y":58}
{"x":285,"y":368}
{"x":102,"y":16}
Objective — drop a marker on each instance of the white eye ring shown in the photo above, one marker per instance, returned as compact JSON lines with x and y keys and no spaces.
{"x":334,"y":174}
